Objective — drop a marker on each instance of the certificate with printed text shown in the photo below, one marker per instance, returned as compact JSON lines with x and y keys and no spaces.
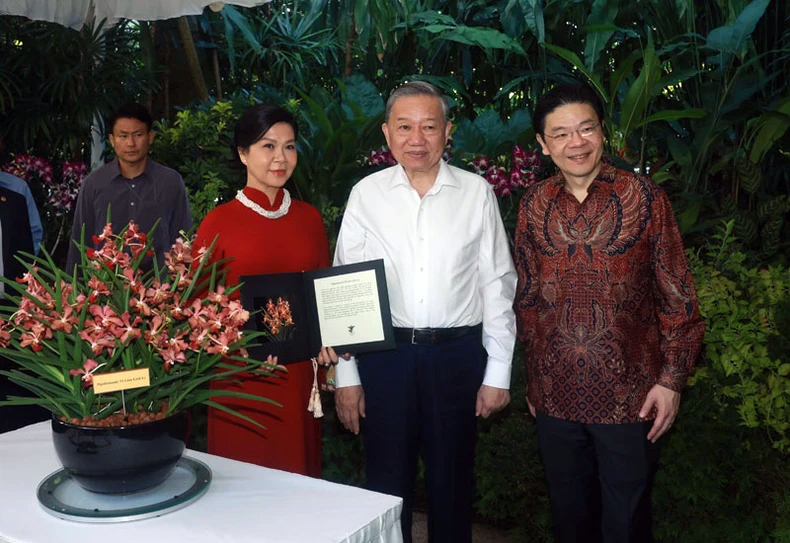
{"x":346,"y":307}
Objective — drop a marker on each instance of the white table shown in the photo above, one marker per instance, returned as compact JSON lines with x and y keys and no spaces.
{"x":244,"y":503}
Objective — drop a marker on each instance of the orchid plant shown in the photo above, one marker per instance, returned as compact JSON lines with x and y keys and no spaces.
{"x":177,"y":322}
{"x":61,"y":193}
{"x":61,"y":190}
{"x":509,"y":176}
{"x":278,"y":320}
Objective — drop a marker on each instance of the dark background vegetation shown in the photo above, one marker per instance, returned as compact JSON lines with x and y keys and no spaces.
{"x":697,"y":96}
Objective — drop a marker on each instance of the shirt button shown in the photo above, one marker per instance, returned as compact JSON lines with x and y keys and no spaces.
{"x":131,"y":203}
{"x":421,"y":300}
{"x":132,"y":186}
{"x":422,"y":269}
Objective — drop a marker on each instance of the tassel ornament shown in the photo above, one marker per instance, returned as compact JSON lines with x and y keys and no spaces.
{"x":314,"y":405}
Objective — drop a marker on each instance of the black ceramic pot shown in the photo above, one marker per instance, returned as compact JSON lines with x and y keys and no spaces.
{"x":124,"y":459}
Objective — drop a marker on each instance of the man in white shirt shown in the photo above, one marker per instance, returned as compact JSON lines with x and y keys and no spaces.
{"x":451,"y":283}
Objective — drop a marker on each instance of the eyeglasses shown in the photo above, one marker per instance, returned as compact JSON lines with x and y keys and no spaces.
{"x":586,"y":131}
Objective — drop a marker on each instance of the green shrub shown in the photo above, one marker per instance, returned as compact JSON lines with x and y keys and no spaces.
{"x":745,"y":348}
{"x":199,"y":145}
{"x":718,"y":481}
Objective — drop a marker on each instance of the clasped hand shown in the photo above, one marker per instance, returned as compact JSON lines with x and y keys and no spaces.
{"x":349,"y":401}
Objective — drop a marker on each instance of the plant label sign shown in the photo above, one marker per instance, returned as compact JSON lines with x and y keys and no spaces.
{"x":121,"y":380}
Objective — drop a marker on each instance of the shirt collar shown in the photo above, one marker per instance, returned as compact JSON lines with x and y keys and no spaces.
{"x":605,"y":175}
{"x":444,"y":178}
{"x":115,"y":169}
{"x":260,"y":198}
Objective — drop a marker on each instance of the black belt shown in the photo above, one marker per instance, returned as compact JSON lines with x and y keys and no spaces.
{"x":432,"y":336}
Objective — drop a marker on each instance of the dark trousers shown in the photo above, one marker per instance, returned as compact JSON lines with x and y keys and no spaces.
{"x":600,"y":477}
{"x":420,"y":400}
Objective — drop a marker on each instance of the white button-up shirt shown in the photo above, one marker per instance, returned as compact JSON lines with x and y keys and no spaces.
{"x":446,"y":257}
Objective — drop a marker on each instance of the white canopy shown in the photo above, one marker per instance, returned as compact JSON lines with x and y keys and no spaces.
{"x":73,"y":13}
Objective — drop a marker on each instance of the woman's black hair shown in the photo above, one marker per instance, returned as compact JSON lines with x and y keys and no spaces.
{"x":256,"y":121}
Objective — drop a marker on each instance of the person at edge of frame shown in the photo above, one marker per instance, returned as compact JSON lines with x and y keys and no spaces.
{"x":15,"y":238}
{"x":609,"y":321}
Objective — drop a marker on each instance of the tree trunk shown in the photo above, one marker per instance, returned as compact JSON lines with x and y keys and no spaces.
{"x":217,"y":74}
{"x":166,"y":86}
{"x":192,"y":58}
{"x":349,"y":44}
{"x":148,"y":51}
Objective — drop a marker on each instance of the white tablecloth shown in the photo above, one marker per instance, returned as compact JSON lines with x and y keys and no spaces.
{"x":244,"y":503}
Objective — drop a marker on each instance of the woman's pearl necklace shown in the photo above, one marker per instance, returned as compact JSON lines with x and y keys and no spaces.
{"x":276,"y":214}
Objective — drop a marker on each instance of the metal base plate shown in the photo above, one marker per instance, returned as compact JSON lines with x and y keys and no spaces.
{"x":60,"y":496}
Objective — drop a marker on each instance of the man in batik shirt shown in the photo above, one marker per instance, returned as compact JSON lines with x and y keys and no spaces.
{"x":608,"y":316}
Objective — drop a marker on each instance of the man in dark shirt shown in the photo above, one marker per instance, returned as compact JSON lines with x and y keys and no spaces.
{"x":608,"y":315}
{"x":133,"y":186}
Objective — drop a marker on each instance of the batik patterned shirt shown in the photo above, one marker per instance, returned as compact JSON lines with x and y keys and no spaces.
{"x":605,"y":302}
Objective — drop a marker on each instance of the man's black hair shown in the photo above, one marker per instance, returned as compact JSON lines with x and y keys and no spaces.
{"x":562,"y":95}
{"x":131,"y":110}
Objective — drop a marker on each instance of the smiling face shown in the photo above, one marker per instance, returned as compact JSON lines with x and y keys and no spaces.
{"x":271,"y":160}
{"x":131,"y":139}
{"x":417,"y":133}
{"x":578,"y":157}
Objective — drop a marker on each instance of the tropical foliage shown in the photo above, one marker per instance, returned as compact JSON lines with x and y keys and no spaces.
{"x":199,"y":145}
{"x":746,"y":344}
{"x":55,"y":82}
{"x":694,"y":90}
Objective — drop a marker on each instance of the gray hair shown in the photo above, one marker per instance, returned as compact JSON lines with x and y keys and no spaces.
{"x":417,"y":88}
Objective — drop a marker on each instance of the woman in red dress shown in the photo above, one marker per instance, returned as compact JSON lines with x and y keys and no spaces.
{"x":264,"y":231}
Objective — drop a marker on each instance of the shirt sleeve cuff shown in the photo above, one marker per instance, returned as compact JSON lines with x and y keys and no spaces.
{"x":673,"y":382}
{"x":497,"y":374}
{"x":672,"y":378}
{"x":346,"y":373}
